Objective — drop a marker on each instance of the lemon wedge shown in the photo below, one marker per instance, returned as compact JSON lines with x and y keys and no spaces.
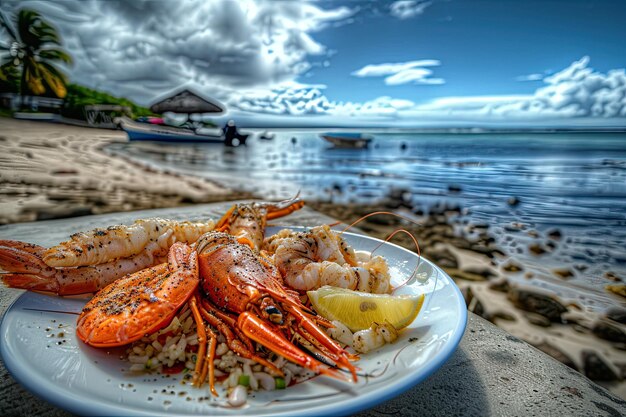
{"x":359,"y":310}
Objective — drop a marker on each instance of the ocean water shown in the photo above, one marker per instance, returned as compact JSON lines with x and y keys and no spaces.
{"x":574,"y":182}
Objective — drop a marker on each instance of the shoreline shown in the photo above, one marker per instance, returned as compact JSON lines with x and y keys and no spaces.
{"x":56,"y":171}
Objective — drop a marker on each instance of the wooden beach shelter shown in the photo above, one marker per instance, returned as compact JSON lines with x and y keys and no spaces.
{"x":186,"y":101}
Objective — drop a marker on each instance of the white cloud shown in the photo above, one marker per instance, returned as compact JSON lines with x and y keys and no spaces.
{"x":530,"y":77}
{"x":406,"y":9}
{"x":471,"y":102}
{"x":574,"y":92}
{"x":402,"y":72}
{"x":213,"y":45}
{"x":577,"y":95}
{"x":297,"y":99}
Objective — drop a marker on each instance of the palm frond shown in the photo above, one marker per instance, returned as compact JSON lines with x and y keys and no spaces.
{"x":8,"y":72}
{"x":55,"y":55}
{"x":6,"y":24}
{"x":54,"y":79}
{"x":33,"y":77}
{"x":47,"y":33}
{"x":26,"y":20}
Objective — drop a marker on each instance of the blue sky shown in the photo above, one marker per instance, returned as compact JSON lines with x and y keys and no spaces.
{"x":483,"y":46}
{"x":359,"y":63}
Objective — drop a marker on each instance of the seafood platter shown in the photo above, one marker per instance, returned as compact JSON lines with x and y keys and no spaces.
{"x":224,"y":317}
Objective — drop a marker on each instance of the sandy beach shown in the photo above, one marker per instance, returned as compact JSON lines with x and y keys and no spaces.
{"x":53,"y":171}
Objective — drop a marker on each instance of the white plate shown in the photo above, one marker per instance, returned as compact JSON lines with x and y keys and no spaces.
{"x":40,"y":349}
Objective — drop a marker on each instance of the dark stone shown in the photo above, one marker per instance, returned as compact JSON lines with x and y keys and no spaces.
{"x":454,"y":188}
{"x":513,"y":201}
{"x":580,"y":329}
{"x":537,"y":302}
{"x":595,"y":368}
{"x":483,"y":250}
{"x":617,"y":314}
{"x":536,"y":249}
{"x":557,"y":354}
{"x":618,"y":289}
{"x":612,"y":276}
{"x":399,"y":197}
{"x":484,"y":272}
{"x":515,"y":227}
{"x":442,"y":257}
{"x":512,"y":267}
{"x":606,"y":330}
{"x":384,"y":220}
{"x":501,"y":285}
{"x":563,"y":273}
{"x":461,"y":243}
{"x":465,"y":275}
{"x":555,"y":234}
{"x":418,"y":211}
{"x":538,"y":320}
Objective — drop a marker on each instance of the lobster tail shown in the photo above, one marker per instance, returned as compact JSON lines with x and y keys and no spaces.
{"x":22,"y":257}
{"x":31,"y":282}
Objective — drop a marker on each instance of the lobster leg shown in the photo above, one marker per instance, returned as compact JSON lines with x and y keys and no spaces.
{"x":322,"y":338}
{"x":284,"y":208}
{"x":231,"y":323}
{"x":200,"y":372}
{"x":234,"y":343}
{"x":270,"y":337}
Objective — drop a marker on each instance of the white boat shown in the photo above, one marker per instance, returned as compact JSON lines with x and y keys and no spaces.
{"x":348,"y":140}
{"x":158,"y":133}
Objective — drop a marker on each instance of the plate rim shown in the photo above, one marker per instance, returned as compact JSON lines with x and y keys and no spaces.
{"x":50,"y":392}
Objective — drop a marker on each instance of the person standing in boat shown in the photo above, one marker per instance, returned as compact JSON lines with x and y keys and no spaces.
{"x":231,"y":136}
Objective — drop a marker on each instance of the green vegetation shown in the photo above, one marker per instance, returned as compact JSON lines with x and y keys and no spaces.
{"x":34,"y":48}
{"x":27,"y":67}
{"x":78,"y":97}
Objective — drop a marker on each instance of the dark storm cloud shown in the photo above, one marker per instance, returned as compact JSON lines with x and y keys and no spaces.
{"x":214,"y":46}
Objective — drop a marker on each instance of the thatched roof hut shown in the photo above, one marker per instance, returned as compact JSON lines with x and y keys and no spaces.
{"x":186,"y":101}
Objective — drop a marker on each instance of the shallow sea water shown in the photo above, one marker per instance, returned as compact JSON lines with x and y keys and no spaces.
{"x":574,"y":182}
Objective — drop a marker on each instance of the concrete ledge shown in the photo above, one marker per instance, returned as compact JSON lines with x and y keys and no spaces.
{"x":491,"y":373}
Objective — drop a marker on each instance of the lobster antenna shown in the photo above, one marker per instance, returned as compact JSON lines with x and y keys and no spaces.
{"x":419,"y":256}
{"x":417,"y":246}
{"x":377,"y":213}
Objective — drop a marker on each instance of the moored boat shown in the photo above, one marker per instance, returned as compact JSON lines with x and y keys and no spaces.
{"x":347,"y":140}
{"x":160,"y":133}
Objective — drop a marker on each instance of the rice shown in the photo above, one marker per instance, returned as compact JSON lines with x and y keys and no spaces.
{"x":173,"y":349}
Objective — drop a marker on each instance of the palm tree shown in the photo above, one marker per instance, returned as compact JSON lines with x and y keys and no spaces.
{"x":34,"y":48}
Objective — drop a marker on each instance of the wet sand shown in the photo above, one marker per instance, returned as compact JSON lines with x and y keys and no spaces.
{"x":53,"y":171}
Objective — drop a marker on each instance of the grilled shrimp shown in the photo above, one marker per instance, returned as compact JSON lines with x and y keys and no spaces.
{"x":310,"y":260}
{"x":24,"y":268}
{"x":103,"y":245}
